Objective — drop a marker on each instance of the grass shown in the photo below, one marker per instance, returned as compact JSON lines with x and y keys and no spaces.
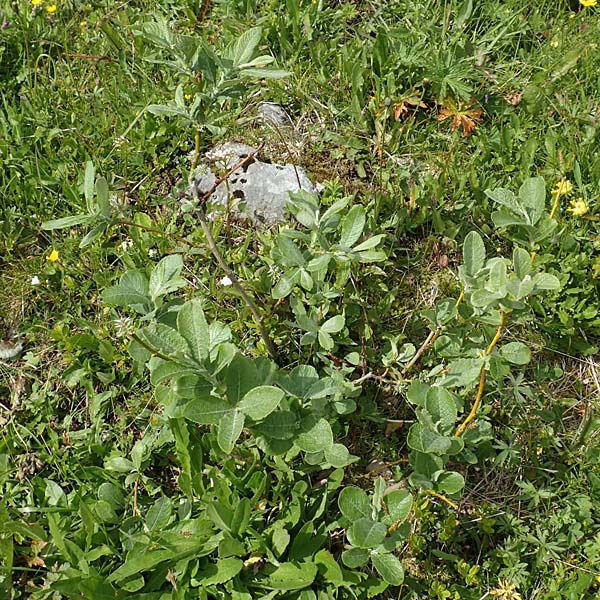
{"x":368,"y":85}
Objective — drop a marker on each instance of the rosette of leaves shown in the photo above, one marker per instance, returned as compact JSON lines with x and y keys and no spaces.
{"x":471,"y":358}
{"x":376,"y":527}
{"x":317,"y":260}
{"x":200,"y":376}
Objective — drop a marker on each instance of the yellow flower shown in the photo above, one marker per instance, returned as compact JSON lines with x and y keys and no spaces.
{"x":51,"y":9}
{"x":188,"y":97}
{"x":555,"y":43}
{"x":53,"y":256}
{"x":588,"y":3}
{"x":36,"y":2}
{"x":563,"y":187}
{"x":506,"y":591}
{"x":578,"y":207}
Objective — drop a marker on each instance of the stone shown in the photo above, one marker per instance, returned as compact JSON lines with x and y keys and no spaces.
{"x":273,"y":114}
{"x":257,"y":191}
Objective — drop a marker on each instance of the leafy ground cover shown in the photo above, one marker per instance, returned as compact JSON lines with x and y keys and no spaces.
{"x":392,"y":395}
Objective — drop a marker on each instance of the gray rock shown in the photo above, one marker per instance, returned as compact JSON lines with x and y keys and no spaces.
{"x":273,"y":114}
{"x":258,"y":191}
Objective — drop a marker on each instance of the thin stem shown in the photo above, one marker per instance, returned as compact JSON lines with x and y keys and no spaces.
{"x":443,"y":498}
{"x":482,"y":375}
{"x":555,"y":204}
{"x":433,"y":335}
{"x":212,"y":245}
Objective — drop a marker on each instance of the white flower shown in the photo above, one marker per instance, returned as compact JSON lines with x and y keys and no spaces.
{"x":126,"y":244}
{"x":151,"y":252}
{"x":35,"y":280}
{"x":225,"y":281}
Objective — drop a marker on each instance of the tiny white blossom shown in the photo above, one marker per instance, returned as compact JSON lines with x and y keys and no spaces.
{"x":151,"y":252}
{"x":126,"y":244}
{"x":225,"y":281}
{"x":35,"y":280}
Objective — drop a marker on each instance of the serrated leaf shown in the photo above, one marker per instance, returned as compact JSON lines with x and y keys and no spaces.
{"x":280,"y":425}
{"x":280,"y":540}
{"x":191,"y":386}
{"x":389,"y":567}
{"x":325,"y":340}
{"x":370,"y":243}
{"x":163,"y":340}
{"x":159,"y":514}
{"x":315,"y":436}
{"x":286,"y":284}
{"x":241,"y":517}
{"x":223,"y":570}
{"x":102,"y":197}
{"x":287,"y":253}
{"x":261,"y":401}
{"x":338,"y":456}
{"x":366,"y":533}
{"x":318,"y":263}
{"x":259,"y":61}
{"x":399,"y":504}
{"x":417,"y":392}
{"x":371,"y":256}
{"x":509,"y":200}
{"x":240,"y":377}
{"x":441,"y":406}
{"x":354,"y":503}
{"x":545,"y":281}
{"x":485,"y":298}
{"x":450,"y":482}
{"x":473,"y":253}
{"x":329,"y":569}
{"x":426,"y":441}
{"x":266,"y":73}
{"x":245,"y":45}
{"x":504,"y":218}
{"x":230,"y":429}
{"x":131,"y":291}
{"x":352,"y":226}
{"x":532,"y":195}
{"x":355,"y":557}
{"x":94,"y":234}
{"x":497,"y":276}
{"x":521,"y":263}
{"x":192,"y":325}
{"x":165,"y":276}
{"x":462,"y":372}
{"x":516,"y":353}
{"x":167,"y":111}
{"x":88,"y":182}
{"x":334,"y":324}
{"x":145,"y":559}
{"x":206,"y":411}
{"x":292,"y":576}
{"x":68,"y":222}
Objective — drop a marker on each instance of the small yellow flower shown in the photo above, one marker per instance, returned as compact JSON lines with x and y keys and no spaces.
{"x":36,"y":2}
{"x":53,"y":256}
{"x":578,"y":207}
{"x":188,"y":97}
{"x":588,"y":3}
{"x":563,"y":187}
{"x":506,"y":591}
{"x":555,"y":43}
{"x":51,"y":9}
{"x":83,"y":24}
